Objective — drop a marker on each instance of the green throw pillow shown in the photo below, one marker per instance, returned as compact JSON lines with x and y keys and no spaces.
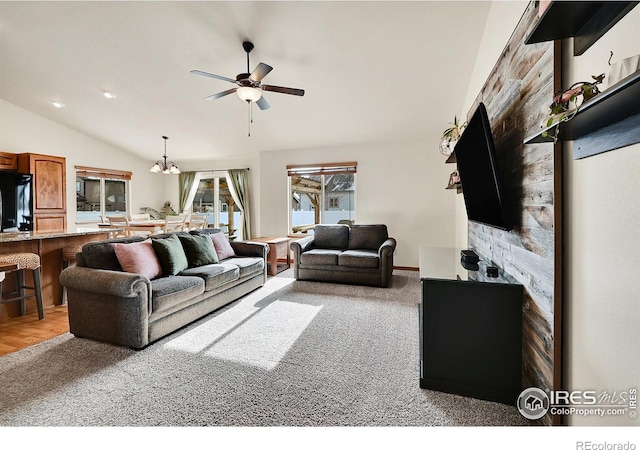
{"x":170,"y":254}
{"x":199,"y":250}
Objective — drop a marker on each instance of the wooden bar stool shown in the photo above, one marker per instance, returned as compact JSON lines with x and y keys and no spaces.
{"x":68,"y":258}
{"x":22,"y":262}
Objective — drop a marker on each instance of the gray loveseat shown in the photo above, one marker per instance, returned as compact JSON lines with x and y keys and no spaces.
{"x":360,"y":254}
{"x":108,"y":304}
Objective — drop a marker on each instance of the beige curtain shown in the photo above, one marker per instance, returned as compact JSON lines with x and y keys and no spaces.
{"x":239,"y":183}
{"x":185,"y":181}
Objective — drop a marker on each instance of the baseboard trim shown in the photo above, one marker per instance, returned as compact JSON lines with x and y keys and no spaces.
{"x":415,"y":269}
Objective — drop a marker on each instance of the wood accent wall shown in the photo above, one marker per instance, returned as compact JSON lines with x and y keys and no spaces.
{"x":517,"y":96}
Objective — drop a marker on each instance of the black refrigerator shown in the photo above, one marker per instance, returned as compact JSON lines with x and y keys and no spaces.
{"x":16,"y":201}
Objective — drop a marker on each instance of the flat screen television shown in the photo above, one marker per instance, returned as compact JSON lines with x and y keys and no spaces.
{"x":480,"y":174}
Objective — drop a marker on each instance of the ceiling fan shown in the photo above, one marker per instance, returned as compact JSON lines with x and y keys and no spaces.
{"x":249,"y":84}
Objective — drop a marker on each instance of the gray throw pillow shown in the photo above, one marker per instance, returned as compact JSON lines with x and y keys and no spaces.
{"x":171,"y":255}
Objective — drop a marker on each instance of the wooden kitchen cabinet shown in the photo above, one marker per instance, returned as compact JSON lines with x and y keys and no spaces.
{"x":49,"y":190}
{"x":8,"y":161}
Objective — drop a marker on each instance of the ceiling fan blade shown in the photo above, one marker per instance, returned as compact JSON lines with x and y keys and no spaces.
{"x":221,"y":94}
{"x":263,"y":104}
{"x":260,"y":72}
{"x":211,"y":75}
{"x":283,"y":90}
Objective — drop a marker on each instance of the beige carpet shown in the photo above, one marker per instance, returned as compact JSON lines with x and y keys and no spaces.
{"x":290,"y":354}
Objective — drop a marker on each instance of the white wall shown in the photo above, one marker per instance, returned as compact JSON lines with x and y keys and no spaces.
{"x":602,"y":246}
{"x":22,"y":131}
{"x":399,"y":184}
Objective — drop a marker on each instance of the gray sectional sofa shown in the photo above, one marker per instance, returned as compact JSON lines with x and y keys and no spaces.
{"x":360,"y":254}
{"x":108,"y":304}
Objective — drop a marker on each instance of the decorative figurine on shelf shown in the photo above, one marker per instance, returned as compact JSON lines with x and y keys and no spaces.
{"x":565,"y":103}
{"x":450,"y":137}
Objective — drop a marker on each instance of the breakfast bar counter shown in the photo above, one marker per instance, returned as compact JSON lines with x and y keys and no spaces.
{"x":48,"y":245}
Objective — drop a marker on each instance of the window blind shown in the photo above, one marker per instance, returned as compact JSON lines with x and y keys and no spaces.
{"x":92,"y":172}
{"x":322,"y":169}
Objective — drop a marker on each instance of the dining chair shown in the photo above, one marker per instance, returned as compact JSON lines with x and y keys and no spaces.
{"x":175,"y":223}
{"x":139,"y":217}
{"x":198,"y":221}
{"x":121,"y":222}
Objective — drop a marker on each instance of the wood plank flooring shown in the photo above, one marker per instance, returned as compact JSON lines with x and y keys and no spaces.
{"x":20,"y":332}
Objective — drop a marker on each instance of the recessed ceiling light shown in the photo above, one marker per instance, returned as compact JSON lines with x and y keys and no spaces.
{"x":108,"y":94}
{"x":57,"y":104}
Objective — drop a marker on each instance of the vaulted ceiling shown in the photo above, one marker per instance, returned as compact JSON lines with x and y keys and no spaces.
{"x":372,"y":71}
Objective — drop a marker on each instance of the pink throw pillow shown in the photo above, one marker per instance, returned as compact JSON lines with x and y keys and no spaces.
{"x":138,"y":257}
{"x":222,"y":246}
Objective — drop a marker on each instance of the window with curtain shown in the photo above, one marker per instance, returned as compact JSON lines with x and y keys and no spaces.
{"x":320,"y":193}
{"x":101,"y":192}
{"x":214,"y":197}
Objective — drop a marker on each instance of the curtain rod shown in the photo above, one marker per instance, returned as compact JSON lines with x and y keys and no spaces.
{"x":221,"y":170}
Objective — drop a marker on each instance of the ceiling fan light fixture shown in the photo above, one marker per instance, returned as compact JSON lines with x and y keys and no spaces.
{"x":108,"y":94}
{"x":249,"y":94}
{"x":164,"y":166}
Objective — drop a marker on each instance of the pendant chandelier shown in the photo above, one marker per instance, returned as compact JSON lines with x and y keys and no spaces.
{"x":164,"y":166}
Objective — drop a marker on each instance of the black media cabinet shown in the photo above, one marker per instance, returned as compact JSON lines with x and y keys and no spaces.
{"x":470,"y":330}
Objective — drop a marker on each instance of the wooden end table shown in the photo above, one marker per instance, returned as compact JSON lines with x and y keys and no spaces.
{"x":276,"y":246}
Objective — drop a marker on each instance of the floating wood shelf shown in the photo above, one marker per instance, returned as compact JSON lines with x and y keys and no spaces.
{"x":586,"y":22}
{"x":608,"y":108}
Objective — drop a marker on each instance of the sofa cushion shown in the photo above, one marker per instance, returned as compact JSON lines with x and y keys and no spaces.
{"x":222,"y":246}
{"x":320,"y":256}
{"x":331,"y":236}
{"x":359,"y":258}
{"x":167,"y":292}
{"x":367,"y":237}
{"x":171,"y":255}
{"x":247,"y":265}
{"x":199,"y":250}
{"x":101,"y":254}
{"x":138,"y":257}
{"x":214,"y":275}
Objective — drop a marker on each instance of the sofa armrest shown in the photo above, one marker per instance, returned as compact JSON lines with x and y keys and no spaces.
{"x":385,"y":252}
{"x":387,"y":247}
{"x":301,"y":245}
{"x":244,"y":248}
{"x":109,"y":282}
{"x":108,"y":305}
{"x":298,"y":247}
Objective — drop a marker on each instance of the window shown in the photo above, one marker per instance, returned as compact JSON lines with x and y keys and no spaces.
{"x":214,"y":198}
{"x":101,"y":192}
{"x":320,"y":193}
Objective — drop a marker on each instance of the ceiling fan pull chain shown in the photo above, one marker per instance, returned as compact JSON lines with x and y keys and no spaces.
{"x":250,"y":120}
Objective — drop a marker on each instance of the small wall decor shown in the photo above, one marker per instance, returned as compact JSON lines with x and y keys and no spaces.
{"x":565,"y":103}
{"x":454,"y":182}
{"x":450,"y":136}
